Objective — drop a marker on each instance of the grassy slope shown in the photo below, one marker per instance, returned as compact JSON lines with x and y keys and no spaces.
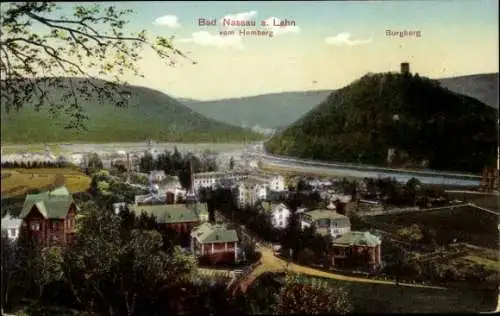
{"x":281,"y":109}
{"x":151,"y":114}
{"x":452,"y":131}
{"x":385,"y":298}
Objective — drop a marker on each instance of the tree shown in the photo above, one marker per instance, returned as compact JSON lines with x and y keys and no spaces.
{"x":208,"y":161}
{"x":10,"y":269}
{"x":184,"y":175}
{"x":122,"y":271}
{"x":94,"y":164}
{"x":249,"y":249}
{"x":412,"y":234}
{"x":47,"y":268}
{"x":296,"y":297}
{"x":37,"y":44}
{"x":146,"y":164}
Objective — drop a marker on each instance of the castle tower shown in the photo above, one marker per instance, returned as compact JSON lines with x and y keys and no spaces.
{"x":405,"y":68}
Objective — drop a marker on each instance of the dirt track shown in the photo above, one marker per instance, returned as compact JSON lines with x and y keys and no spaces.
{"x":270,"y":263}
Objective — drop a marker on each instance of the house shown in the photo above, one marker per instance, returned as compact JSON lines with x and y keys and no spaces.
{"x":215,"y":243}
{"x":150,"y":198}
{"x":279,"y":215}
{"x":275,"y":181}
{"x":226,"y":183}
{"x":357,"y":249}
{"x":204,"y":216}
{"x":342,"y":198}
{"x":11,"y":226}
{"x":250,"y":191}
{"x":156,"y":176}
{"x":489,"y":180}
{"x":179,"y":217}
{"x":327,"y":222}
{"x":369,"y":205}
{"x":118,"y":207}
{"x":209,"y":179}
{"x":50,"y":217}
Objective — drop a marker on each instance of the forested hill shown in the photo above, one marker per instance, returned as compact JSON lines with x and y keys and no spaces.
{"x":421,"y":120}
{"x":276,"y":110}
{"x":150,"y":114}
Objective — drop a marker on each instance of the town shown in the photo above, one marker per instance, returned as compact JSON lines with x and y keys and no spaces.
{"x":237,"y":220}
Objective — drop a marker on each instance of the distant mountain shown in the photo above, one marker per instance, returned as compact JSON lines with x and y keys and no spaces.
{"x":151,"y":114}
{"x":265,"y":111}
{"x":414,"y":120}
{"x":483,"y":87}
{"x":281,"y":109}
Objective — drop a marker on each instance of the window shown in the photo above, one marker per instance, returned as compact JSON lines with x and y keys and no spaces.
{"x":35,"y":226}
{"x":55,"y":225}
{"x":13,"y":232}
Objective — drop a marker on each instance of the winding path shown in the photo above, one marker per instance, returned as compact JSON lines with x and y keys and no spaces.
{"x":271,"y":263}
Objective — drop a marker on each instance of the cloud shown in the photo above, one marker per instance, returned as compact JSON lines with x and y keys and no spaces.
{"x":203,"y":38}
{"x":344,"y":39}
{"x":168,"y":21}
{"x":273,"y":24}
{"x":242,"y":16}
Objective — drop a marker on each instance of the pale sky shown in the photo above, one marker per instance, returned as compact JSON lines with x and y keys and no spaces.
{"x":332,"y":43}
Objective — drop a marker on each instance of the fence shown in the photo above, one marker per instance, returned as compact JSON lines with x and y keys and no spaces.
{"x":238,"y":276}
{"x":387,"y":212}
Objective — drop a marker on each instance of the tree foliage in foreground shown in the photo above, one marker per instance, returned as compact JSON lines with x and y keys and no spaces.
{"x":296,"y":297}
{"x":36,"y":42}
{"x":118,"y":265}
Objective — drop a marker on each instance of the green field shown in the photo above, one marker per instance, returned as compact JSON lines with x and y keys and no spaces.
{"x":464,"y":240}
{"x":384,"y":298}
{"x":465,"y":224}
{"x":18,"y":182}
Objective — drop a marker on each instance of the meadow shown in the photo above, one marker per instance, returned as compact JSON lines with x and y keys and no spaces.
{"x":464,"y":239}
{"x":18,"y":182}
{"x":460,"y":224}
{"x":387,"y":298}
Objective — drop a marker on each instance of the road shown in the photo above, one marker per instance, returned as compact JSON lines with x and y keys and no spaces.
{"x":271,"y":263}
{"x":362,"y":171}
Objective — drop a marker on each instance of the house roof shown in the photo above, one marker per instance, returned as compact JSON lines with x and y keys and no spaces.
{"x":255,"y":179}
{"x":8,"y":221}
{"x":358,"y":238}
{"x":156,"y":173}
{"x":51,"y":204}
{"x":210,"y":233}
{"x":168,"y":213}
{"x":324,"y":214}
